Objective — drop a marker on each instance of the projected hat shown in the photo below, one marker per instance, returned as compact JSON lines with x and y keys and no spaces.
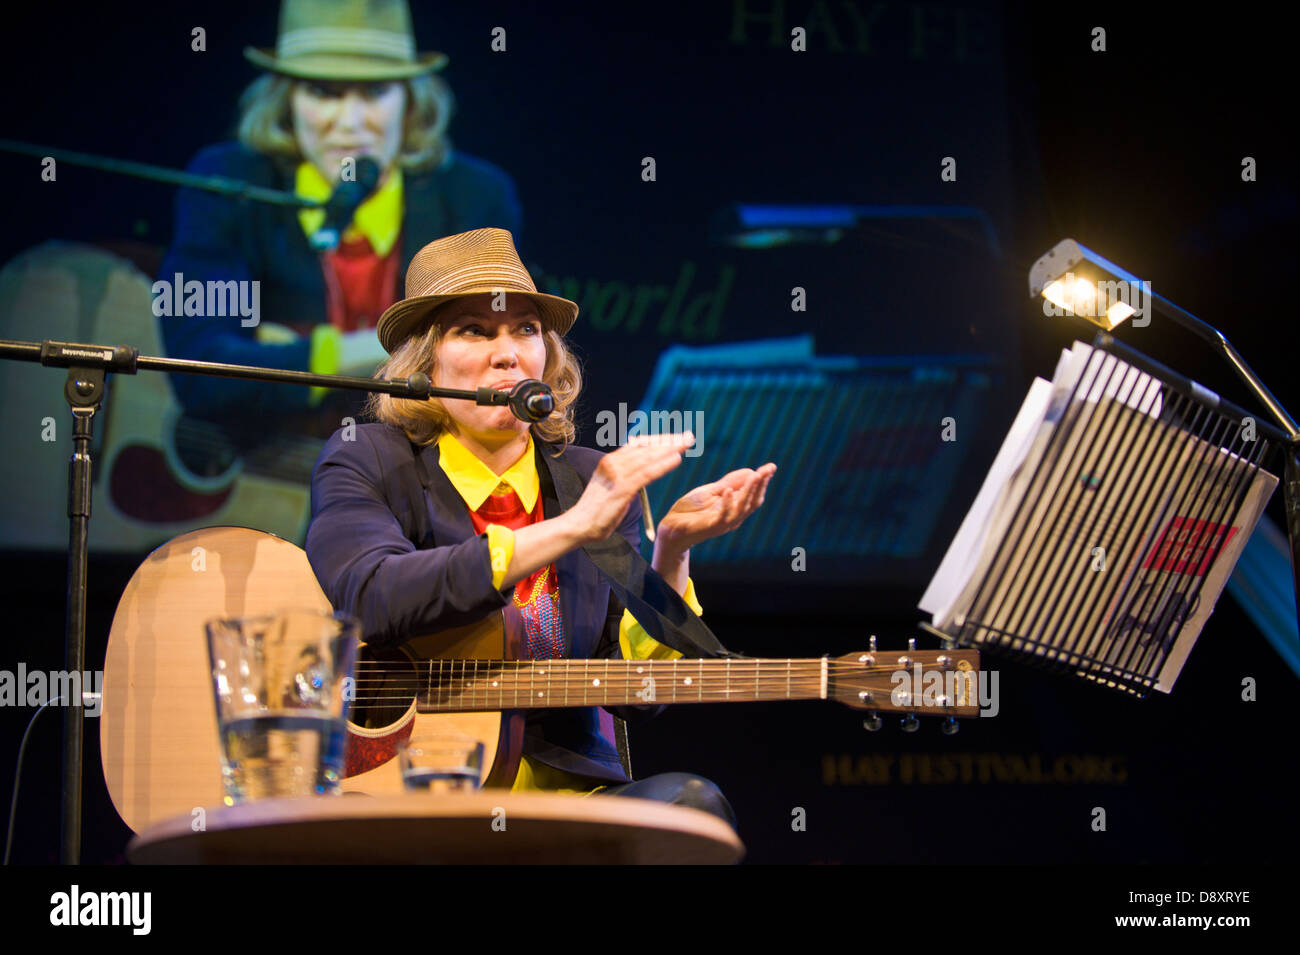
{"x":358,"y":40}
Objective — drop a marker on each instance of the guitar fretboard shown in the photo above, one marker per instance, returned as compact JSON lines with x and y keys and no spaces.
{"x":458,"y":685}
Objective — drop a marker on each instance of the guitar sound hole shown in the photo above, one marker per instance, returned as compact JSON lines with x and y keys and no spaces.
{"x":204,"y":448}
{"x":387,"y":682}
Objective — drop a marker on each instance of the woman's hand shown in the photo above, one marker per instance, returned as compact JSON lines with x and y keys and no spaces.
{"x":603,"y":505}
{"x":618,"y":478}
{"x":712,"y":510}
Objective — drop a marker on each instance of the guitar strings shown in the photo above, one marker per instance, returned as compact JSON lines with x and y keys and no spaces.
{"x":773,"y":669}
{"x":446,"y":687}
{"x":563,"y":662}
{"x":767,"y":668}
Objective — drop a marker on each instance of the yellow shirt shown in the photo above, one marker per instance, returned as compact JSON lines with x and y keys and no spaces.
{"x":379,"y":219}
{"x":474,"y":481}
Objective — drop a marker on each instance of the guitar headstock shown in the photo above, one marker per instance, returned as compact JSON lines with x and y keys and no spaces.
{"x":943,"y":683}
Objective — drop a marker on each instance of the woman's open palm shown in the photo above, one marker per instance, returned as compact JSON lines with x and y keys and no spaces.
{"x":712,"y":510}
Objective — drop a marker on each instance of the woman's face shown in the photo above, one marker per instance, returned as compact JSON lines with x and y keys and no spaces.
{"x":336,"y":121}
{"x":482,"y":348}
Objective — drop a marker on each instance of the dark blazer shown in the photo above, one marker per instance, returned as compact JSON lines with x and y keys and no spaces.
{"x":392,"y":544}
{"x":220,"y":239}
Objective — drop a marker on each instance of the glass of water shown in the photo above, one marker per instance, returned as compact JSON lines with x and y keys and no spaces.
{"x":441,"y":762}
{"x":284,"y":686}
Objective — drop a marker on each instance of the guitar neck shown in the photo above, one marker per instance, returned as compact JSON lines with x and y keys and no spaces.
{"x":460,"y":685}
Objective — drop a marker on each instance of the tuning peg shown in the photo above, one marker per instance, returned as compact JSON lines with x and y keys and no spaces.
{"x":911,"y":643}
{"x":910,"y":724}
{"x":873,"y":722}
{"x":950,"y":726}
{"x":872,"y":646}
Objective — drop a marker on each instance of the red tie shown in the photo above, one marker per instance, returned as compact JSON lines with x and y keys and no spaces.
{"x":537,"y":595}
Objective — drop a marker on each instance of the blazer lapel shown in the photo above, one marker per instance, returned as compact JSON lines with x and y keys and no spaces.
{"x":425,"y":215}
{"x":449,"y":514}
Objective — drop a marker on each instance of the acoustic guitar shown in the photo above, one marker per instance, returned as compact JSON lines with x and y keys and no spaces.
{"x":158,"y":728}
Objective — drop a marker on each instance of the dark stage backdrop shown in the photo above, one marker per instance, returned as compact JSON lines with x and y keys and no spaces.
{"x":1136,"y":152}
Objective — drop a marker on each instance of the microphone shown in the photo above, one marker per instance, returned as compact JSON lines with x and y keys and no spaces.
{"x":531,"y":400}
{"x":343,"y":205}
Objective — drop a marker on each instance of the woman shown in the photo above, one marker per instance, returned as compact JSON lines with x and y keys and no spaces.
{"x":344,"y":82}
{"x":445,"y":510}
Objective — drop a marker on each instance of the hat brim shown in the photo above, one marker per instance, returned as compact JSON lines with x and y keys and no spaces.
{"x":404,"y":318}
{"x":343,"y":66}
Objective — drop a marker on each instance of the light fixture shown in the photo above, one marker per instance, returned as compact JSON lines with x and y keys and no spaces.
{"x":1080,"y":282}
{"x":1055,"y":276}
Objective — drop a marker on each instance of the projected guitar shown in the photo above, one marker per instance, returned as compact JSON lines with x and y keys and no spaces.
{"x":158,"y":730}
{"x":158,"y":471}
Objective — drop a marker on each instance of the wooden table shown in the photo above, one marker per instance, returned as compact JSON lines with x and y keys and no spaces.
{"x":480,"y":827}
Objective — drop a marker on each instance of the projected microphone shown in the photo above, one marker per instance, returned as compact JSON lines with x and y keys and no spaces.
{"x":343,"y":205}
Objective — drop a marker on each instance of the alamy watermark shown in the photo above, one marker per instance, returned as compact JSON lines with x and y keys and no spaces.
{"x":1094,"y":299}
{"x":37,"y":687}
{"x":937,"y":689}
{"x":612,"y":427}
{"x":130,"y":909}
{"x":211,"y":299}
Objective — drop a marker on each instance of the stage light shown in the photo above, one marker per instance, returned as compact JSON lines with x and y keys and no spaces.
{"x":1080,"y":282}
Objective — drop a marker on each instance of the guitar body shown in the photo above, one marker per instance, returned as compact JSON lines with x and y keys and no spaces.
{"x":158,"y":728}
{"x":374,"y":732}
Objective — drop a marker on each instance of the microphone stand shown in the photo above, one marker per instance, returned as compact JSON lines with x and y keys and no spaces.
{"x":340,"y":207}
{"x":87,"y":365}
{"x":222,"y":185}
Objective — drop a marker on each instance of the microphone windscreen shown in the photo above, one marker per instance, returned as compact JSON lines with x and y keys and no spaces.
{"x":367,"y":173}
{"x":541,"y":406}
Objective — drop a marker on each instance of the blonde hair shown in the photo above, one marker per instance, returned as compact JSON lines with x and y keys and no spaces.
{"x":425,"y":421}
{"x":266,"y":120}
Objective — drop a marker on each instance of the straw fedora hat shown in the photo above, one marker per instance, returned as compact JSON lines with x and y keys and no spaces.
{"x":470,"y":263}
{"x":361,"y":40}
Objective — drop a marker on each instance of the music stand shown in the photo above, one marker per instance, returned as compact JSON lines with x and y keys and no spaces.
{"x":1113,"y":540}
